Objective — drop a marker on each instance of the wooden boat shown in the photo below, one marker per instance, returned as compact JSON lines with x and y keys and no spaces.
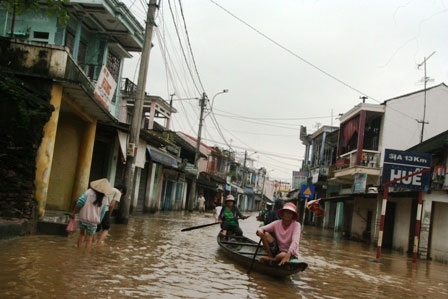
{"x":260,"y":218}
{"x":242,"y":250}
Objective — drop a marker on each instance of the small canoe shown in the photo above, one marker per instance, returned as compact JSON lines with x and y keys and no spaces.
{"x":242,"y":250}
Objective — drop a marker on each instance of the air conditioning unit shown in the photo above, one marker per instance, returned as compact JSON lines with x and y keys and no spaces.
{"x":130,"y":151}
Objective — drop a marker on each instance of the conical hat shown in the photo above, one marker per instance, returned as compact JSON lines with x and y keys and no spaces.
{"x":102,"y":186}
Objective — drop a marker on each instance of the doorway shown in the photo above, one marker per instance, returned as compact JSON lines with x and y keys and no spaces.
{"x":388,"y":234}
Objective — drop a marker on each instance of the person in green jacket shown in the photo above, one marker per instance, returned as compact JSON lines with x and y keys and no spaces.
{"x":228,"y":218}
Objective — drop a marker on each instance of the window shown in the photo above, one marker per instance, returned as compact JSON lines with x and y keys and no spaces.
{"x":113,"y":65}
{"x":41,"y":35}
{"x":70,"y":41}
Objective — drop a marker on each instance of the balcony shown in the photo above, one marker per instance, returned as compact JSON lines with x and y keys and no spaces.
{"x":346,"y":167}
{"x":55,"y":64}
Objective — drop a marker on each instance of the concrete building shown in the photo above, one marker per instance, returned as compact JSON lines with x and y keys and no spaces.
{"x":433,"y":234}
{"x":77,"y":67}
{"x":352,"y":201}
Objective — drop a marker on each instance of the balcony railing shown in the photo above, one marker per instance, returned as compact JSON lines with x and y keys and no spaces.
{"x":128,"y":86}
{"x":44,"y":60}
{"x":369,"y":159}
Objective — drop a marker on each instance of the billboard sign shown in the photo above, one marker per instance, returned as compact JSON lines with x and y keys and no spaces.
{"x":398,"y":164}
{"x":298,"y":179}
{"x":360,"y":182}
{"x":105,"y":87}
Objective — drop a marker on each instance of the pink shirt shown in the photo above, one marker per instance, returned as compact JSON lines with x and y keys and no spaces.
{"x":287,"y":239}
{"x":89,"y":212}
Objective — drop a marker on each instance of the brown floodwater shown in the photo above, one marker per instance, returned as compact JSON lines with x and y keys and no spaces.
{"x":152,"y":258}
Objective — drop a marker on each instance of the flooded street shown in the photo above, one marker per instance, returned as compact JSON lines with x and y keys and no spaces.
{"x":151,"y":257}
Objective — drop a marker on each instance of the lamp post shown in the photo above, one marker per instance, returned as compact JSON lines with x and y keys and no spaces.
{"x":203,"y":103}
{"x":213,"y":100}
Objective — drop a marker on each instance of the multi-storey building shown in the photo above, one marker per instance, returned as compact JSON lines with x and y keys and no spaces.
{"x":433,"y":234}
{"x":76,"y":68}
{"x":352,"y":202}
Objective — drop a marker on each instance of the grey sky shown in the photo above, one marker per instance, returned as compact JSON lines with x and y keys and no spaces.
{"x":281,"y":72}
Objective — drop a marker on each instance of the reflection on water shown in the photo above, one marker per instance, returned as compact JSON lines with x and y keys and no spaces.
{"x":151,"y":257}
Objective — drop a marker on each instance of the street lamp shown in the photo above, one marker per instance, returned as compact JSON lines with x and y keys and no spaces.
{"x":213,"y":99}
{"x":202,"y":103}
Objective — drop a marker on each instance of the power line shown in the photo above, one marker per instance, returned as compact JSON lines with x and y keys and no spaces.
{"x":189,"y":45}
{"x":268,"y":122}
{"x":291,"y":52}
{"x":292,"y":127}
{"x":166,"y":57}
{"x":264,"y":134}
{"x":282,"y":156}
{"x":270,"y":118}
{"x":182,"y":48}
{"x":303,"y":59}
{"x":216,"y":124}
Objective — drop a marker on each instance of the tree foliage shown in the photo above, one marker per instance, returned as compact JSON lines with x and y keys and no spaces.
{"x":53,"y":7}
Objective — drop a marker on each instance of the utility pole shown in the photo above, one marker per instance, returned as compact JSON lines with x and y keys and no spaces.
{"x":192,"y":196}
{"x":136,"y":118}
{"x":262,"y":188}
{"x":243,"y":183}
{"x":168,"y":122}
{"x":425,"y":80}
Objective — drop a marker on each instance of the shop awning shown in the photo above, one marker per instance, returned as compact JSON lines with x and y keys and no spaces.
{"x":203,"y":182}
{"x":123,"y":138}
{"x":337,"y":198}
{"x":161,"y":157}
{"x":236,"y":189}
{"x":217,"y":179}
{"x":140,"y":156}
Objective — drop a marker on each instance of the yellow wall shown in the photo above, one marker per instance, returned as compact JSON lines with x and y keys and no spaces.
{"x":45,"y":150}
{"x":65,"y":160}
{"x":84,"y":160}
{"x":72,"y":156}
{"x":65,"y":154}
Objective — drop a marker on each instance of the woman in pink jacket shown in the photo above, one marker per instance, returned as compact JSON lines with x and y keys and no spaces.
{"x":285,"y":245}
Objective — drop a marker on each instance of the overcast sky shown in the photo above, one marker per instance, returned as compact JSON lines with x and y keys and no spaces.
{"x":287,"y":63}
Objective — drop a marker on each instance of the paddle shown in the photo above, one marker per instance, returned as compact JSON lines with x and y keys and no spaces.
{"x":253,"y":259}
{"x":196,"y":227}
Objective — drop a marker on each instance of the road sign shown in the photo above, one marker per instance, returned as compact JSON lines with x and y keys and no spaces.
{"x":398,"y":164}
{"x":307,"y":191}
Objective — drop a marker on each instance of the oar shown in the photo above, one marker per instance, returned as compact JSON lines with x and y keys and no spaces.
{"x":199,"y":226}
{"x":253,"y":259}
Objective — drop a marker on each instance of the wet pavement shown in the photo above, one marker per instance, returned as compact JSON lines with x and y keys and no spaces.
{"x":152,"y":258}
